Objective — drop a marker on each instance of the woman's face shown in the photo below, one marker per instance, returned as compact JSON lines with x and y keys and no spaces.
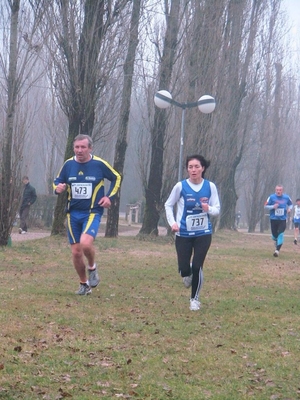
{"x":195,"y":170}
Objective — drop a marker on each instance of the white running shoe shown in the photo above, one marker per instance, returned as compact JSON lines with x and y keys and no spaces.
{"x":276,"y":253}
{"x":93,"y":277}
{"x":187,"y":281}
{"x":194,"y":305}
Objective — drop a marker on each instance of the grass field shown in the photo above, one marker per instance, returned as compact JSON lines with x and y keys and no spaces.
{"x":135,"y":337}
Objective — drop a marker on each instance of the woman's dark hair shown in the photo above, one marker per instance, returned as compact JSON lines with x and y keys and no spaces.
{"x":205,"y":163}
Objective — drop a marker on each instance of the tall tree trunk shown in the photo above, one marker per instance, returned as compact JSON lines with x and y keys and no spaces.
{"x":153,"y":204}
{"x":233,"y":149}
{"x":82,"y":74}
{"x":7,"y":204}
{"x":121,"y":145}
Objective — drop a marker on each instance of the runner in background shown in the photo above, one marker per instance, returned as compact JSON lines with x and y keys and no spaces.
{"x":280,"y":205}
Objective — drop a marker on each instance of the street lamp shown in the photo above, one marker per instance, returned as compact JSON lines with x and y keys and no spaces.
{"x":206,"y":104}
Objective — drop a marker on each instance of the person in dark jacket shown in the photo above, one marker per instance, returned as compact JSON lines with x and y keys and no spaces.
{"x":28,"y":198}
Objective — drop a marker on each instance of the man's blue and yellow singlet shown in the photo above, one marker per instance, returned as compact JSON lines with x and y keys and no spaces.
{"x":85,"y":183}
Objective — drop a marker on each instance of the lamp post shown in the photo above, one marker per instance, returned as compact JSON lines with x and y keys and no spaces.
{"x":206,"y":104}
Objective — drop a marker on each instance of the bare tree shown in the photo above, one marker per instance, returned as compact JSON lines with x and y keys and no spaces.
{"x":83,"y":62}
{"x":233,"y":96}
{"x":121,"y":145}
{"x":154,"y":185}
{"x":7,"y":204}
{"x":221,"y":54}
{"x":268,"y":146}
{"x":23,"y":54}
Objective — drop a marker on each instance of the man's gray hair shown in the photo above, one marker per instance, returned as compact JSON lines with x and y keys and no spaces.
{"x":82,"y":137}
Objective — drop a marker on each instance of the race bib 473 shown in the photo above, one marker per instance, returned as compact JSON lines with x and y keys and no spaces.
{"x":82,"y":190}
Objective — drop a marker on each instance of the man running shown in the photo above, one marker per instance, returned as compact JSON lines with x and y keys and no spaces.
{"x":82,"y":176}
{"x":280,"y":205}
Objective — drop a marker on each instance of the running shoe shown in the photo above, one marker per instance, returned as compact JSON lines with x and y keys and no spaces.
{"x":93,"y":277}
{"x":194,"y":305}
{"x":84,"y":289}
{"x":295,"y":241}
{"x":276,"y":253}
{"x":187,"y":281}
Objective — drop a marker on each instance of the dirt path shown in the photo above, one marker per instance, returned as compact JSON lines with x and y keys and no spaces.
{"x":16,"y":237}
{"x":124,"y":230}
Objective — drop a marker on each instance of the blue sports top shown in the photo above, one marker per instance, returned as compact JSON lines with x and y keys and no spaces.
{"x":85,"y":183}
{"x":296,"y":214}
{"x":188,"y":197}
{"x":284,"y":202}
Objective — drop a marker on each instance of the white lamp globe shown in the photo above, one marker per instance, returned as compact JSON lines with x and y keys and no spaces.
{"x":206,"y":104}
{"x":161,"y":103}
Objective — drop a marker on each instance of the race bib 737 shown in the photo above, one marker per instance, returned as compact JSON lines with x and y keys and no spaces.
{"x":197,"y":222}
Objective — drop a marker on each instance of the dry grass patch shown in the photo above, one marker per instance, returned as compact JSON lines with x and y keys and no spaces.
{"x":135,"y":337}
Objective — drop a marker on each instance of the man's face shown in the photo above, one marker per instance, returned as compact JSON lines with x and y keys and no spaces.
{"x":82,"y":150}
{"x":279,"y":190}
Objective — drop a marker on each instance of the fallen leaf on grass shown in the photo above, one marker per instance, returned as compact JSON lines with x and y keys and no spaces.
{"x":88,"y":365}
{"x":37,"y":390}
{"x":167,"y":389}
{"x":106,"y":364}
{"x":103,"y":384}
{"x":64,"y":394}
{"x":66,"y":378}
